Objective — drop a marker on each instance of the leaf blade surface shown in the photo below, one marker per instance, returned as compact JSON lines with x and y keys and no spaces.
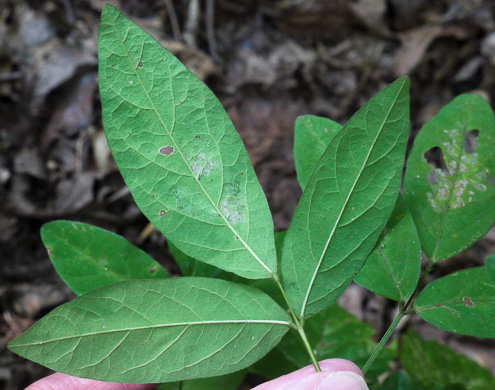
{"x":312,"y":135}
{"x":462,"y":302}
{"x":179,"y":153}
{"x":458,"y":185}
{"x":392,"y":269}
{"x":347,"y":202}
{"x":157,"y":331}
{"x":88,"y":257}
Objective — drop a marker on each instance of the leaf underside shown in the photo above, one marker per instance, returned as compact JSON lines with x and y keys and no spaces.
{"x":435,"y":365}
{"x":151,"y":331}
{"x":451,"y":196}
{"x":462,"y":302}
{"x":392,"y":269}
{"x":179,"y":153}
{"x":347,"y":202}
{"x":312,"y":135}
{"x":87,"y":257}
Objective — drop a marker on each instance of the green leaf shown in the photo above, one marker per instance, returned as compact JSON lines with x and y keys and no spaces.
{"x":490,"y":267}
{"x":433,"y":364}
{"x":150,"y":331}
{"x":399,"y":381}
{"x":333,"y":333}
{"x":179,"y":153}
{"x":450,"y":204}
{"x":392,"y":269}
{"x":190,"y":266}
{"x":347,"y":202}
{"x":87,"y":257}
{"x":224,"y":382}
{"x":312,"y":135}
{"x":462,"y":302}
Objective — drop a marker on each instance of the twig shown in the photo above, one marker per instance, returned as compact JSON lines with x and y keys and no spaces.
{"x":173,"y":19}
{"x":192,"y":23}
{"x":210,"y":29}
{"x":69,"y":11}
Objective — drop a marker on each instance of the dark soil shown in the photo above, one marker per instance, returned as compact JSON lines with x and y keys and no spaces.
{"x":267,"y":61}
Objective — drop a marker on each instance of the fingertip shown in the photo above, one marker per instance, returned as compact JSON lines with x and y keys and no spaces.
{"x":340,"y":365}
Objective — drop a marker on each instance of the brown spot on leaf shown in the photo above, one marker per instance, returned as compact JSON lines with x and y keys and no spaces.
{"x":152,"y":271}
{"x":167,"y":150}
{"x":468,"y":301}
{"x":140,"y":64}
{"x":162,"y":213}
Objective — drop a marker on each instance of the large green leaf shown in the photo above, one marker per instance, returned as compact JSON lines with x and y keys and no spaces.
{"x":392,"y":269}
{"x":224,"y":382}
{"x":179,"y":153}
{"x":462,"y":302}
{"x":432,"y":364}
{"x":87,"y":257}
{"x":333,"y":333}
{"x":165,"y":330}
{"x":347,"y":202}
{"x":490,"y":267}
{"x":312,"y":135}
{"x":452,"y":205}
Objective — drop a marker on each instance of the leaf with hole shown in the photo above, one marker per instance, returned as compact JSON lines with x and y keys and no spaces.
{"x":312,"y":135}
{"x":333,"y":333}
{"x":179,"y":153}
{"x":450,"y":180}
{"x":392,"y":269}
{"x":150,"y":331}
{"x":87,"y":257}
{"x":347,"y":202}
{"x":462,"y":302}
{"x":432,"y":364}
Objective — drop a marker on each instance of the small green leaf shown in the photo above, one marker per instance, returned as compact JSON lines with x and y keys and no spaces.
{"x":333,"y":333}
{"x":431,"y":364}
{"x":490,"y":267}
{"x":462,"y":302}
{"x":450,"y":196}
{"x":347,"y":202}
{"x":224,"y":382}
{"x":392,"y":269}
{"x":312,"y":135}
{"x":87,"y":257}
{"x":179,"y":153}
{"x":151,"y":331}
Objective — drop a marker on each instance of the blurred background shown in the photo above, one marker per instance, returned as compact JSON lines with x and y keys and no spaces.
{"x":267,"y":61}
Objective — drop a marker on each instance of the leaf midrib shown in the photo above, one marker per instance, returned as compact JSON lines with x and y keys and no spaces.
{"x":185,"y":324}
{"x":236,"y":234}
{"x":320,"y":261}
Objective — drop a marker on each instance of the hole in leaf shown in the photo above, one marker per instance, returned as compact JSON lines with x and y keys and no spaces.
{"x":167,"y":150}
{"x":471,"y":141}
{"x":435,"y":159}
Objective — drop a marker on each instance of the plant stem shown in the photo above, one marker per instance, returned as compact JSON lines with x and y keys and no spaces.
{"x":383,"y":341}
{"x":402,"y":313}
{"x":299,"y":326}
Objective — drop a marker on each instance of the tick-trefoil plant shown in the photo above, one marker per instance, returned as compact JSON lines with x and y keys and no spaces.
{"x":243,"y":288}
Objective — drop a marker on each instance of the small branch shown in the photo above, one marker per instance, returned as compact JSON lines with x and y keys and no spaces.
{"x":210,"y":29}
{"x":172,"y":15}
{"x":192,"y":23}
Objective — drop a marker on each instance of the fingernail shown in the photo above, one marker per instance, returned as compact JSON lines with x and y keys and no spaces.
{"x":343,"y":380}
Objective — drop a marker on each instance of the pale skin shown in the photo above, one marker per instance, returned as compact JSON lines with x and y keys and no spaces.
{"x":337,"y":374}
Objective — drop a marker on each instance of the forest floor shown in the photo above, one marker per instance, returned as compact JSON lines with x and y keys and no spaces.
{"x":267,"y":61}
